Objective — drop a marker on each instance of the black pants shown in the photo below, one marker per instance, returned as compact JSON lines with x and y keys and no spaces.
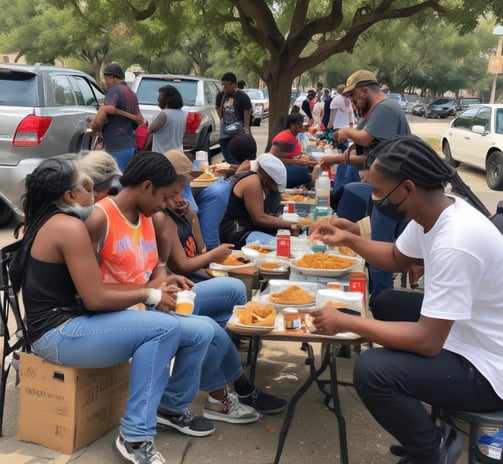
{"x":397,"y":305}
{"x":393,"y":384}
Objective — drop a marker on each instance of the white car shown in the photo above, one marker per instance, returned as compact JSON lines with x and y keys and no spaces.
{"x":475,"y":137}
{"x":260,"y":103}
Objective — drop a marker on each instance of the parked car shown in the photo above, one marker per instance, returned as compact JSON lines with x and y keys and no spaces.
{"x":475,"y":137}
{"x":44,"y":111}
{"x":399,"y":99}
{"x":411,"y":100}
{"x":465,"y":102}
{"x":202,"y":130}
{"x":442,"y":107}
{"x":260,"y":103}
{"x":419,"y":109}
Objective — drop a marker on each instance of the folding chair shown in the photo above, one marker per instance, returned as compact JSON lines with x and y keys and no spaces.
{"x":15,"y":337}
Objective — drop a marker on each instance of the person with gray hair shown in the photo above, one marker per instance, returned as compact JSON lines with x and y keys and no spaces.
{"x":450,"y":355}
{"x":103,"y":170}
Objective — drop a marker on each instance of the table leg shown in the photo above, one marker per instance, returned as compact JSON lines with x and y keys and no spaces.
{"x":336,"y":406}
{"x":252,"y":357}
{"x":290,"y":411}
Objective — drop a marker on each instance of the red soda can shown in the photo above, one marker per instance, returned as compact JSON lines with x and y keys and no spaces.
{"x":291,"y":207}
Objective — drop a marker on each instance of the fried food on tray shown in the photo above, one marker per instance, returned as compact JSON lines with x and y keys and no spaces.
{"x":255,"y":313}
{"x":305,"y":221}
{"x":206,"y":176}
{"x":234,"y":260}
{"x":334,"y":304}
{"x":297,"y":198}
{"x":269,"y":265}
{"x":258,"y":248}
{"x":323,"y":261}
{"x":344,"y":250}
{"x":292,"y":295}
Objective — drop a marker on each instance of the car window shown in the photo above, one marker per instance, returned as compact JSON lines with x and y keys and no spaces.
{"x":499,"y":121}
{"x":61,"y":91}
{"x":84,"y":91}
{"x":483,"y":118}
{"x":148,"y":90}
{"x":465,"y":119}
{"x":18,"y":89}
{"x":255,"y":94}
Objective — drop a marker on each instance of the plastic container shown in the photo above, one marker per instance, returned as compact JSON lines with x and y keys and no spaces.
{"x":490,"y":444}
{"x":291,"y":317}
{"x":283,"y":243}
{"x":322,"y":188}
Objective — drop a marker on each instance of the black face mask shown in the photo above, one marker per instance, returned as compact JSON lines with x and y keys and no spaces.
{"x":390,"y":210}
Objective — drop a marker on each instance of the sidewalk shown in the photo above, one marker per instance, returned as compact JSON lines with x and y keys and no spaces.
{"x":312,"y":438}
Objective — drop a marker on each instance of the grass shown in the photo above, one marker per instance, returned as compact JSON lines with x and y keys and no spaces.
{"x":434,"y":142}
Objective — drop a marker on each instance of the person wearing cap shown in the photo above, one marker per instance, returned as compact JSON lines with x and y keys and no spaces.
{"x":255,"y":204}
{"x":234,"y":110}
{"x":118,"y":117}
{"x":103,"y":170}
{"x":450,"y":353}
{"x":382,"y":118}
{"x":212,"y":201}
{"x":187,"y":252}
{"x":307,"y":105}
{"x":287,"y":147}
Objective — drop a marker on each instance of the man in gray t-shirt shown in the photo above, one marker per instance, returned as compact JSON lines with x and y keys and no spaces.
{"x":381,"y":119}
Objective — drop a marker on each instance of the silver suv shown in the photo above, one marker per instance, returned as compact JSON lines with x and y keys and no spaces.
{"x":43,"y":112}
{"x":202,"y":130}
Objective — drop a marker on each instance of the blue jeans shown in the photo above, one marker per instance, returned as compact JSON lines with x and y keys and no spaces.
{"x":384,"y":229}
{"x":212,"y":203}
{"x":121,"y":156}
{"x":261,"y":237}
{"x":217,"y":297}
{"x":217,"y":369}
{"x":150,"y":339}
{"x":224,"y":148}
{"x":297,"y":175}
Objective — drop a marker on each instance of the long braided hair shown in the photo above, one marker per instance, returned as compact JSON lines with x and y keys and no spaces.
{"x":409,"y":157}
{"x":44,"y":187}
{"x":148,"y":165}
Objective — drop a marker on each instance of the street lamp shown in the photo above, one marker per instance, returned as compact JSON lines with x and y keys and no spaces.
{"x":496,"y":62}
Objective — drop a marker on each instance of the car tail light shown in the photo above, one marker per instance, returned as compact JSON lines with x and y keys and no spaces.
{"x":31,"y":131}
{"x":193,"y":122}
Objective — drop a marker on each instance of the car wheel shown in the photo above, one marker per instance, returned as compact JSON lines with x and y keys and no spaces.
{"x":494,"y":171}
{"x":6,"y":214}
{"x":446,"y":150}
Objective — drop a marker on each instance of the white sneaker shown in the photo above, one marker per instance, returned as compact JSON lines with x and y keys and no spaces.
{"x":229,"y":409}
{"x":137,"y":453}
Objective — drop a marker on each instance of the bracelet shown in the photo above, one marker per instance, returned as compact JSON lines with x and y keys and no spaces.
{"x":161,"y":264}
{"x":154,"y":296}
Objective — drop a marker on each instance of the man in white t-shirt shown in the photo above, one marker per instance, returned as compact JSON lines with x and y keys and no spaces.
{"x":451,"y":354}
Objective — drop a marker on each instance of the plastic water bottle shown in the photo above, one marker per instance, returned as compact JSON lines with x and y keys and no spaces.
{"x":322,"y":188}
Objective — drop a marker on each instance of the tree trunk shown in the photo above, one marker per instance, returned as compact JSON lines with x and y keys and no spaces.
{"x":280,"y":90}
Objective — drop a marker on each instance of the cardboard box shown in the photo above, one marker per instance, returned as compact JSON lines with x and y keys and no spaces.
{"x":66,"y":408}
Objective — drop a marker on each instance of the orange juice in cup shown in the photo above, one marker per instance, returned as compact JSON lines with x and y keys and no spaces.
{"x":185,"y":302}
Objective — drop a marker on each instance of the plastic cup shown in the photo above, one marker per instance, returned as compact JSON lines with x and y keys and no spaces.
{"x":185,"y":302}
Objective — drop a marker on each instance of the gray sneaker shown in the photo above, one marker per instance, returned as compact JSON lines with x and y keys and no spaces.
{"x":143,"y":452}
{"x":230,"y":410}
{"x":187,"y":422}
